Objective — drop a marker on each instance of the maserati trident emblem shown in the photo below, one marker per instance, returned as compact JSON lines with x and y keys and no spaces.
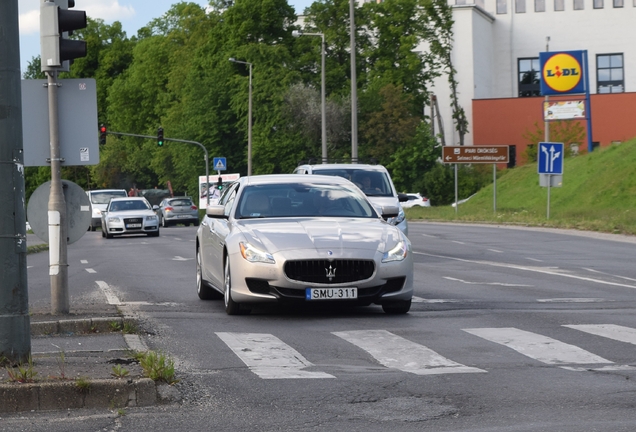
{"x":331,"y":273}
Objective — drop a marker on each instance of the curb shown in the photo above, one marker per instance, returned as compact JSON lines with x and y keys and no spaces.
{"x":99,"y":392}
{"x":67,"y":395}
{"x":86,"y":325}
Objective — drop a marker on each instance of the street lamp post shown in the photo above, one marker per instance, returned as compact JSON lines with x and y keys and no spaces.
{"x":249,"y":118}
{"x":298,"y":33}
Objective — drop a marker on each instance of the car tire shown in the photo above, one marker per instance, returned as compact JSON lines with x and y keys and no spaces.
{"x":103,"y":233}
{"x":204,"y":290}
{"x":154,"y":234}
{"x":397,"y":307}
{"x":195,"y":223}
{"x":108,"y":235}
{"x":231,"y":307}
{"x":164,"y":224}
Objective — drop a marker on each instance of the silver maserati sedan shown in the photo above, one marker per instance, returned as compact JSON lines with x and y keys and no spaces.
{"x":306,"y":239}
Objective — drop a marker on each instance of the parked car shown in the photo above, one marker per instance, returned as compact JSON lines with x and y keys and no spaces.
{"x":130,"y":215}
{"x":374,"y":180}
{"x":416,"y":200}
{"x":99,"y":200}
{"x":176,"y":210}
{"x":306,"y":239}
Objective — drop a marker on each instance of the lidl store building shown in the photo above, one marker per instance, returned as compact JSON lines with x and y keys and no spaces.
{"x":496,"y":51}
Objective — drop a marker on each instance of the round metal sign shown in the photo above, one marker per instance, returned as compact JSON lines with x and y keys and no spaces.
{"x":78,"y":211}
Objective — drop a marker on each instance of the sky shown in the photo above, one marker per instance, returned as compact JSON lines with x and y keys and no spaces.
{"x":133,"y":14}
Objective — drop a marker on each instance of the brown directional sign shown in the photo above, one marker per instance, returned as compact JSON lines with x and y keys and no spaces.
{"x":475,"y":154}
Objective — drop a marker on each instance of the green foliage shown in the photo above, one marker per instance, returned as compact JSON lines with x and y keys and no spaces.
{"x":175,"y":74}
{"x":156,"y":366}
{"x":566,"y":132}
{"x":597,"y":194}
{"x":439,"y":182}
{"x":119,"y":371}
{"x":82,"y":384}
{"x":22,"y":372}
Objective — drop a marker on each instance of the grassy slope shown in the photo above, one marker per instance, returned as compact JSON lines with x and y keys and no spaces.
{"x":598,"y":193}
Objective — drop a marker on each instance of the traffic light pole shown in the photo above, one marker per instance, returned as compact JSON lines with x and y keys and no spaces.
{"x":205,"y":151}
{"x":58,"y":257}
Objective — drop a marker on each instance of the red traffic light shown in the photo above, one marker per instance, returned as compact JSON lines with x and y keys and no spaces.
{"x":102,"y":134}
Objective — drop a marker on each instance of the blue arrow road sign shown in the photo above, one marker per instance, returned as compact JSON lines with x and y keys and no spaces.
{"x":219,"y":164}
{"x":550,"y":158}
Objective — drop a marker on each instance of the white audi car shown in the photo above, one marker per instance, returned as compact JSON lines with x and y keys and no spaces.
{"x":299,"y":238}
{"x":130,"y":215}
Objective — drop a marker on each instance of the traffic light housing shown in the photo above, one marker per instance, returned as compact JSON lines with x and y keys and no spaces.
{"x":160,"y":137}
{"x":56,"y":24}
{"x":219,"y":184}
{"x":102,"y":134}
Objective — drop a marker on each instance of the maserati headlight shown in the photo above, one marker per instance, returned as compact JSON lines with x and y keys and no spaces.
{"x":399,"y":218}
{"x":398,"y":253}
{"x":253,"y":254}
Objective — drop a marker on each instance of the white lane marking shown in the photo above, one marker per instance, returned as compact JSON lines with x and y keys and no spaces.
{"x":178,"y":258}
{"x":269,"y":357}
{"x":398,"y":353}
{"x":90,"y":270}
{"x":534,"y":259}
{"x":111,"y":297}
{"x":609,"y":274}
{"x":573,"y":300}
{"x":544,"y":270}
{"x":610,"y":331}
{"x":495,"y":250}
{"x":428,"y":235}
{"x":416,"y":299}
{"x":486,"y":283}
{"x":458,"y":242}
{"x":84,"y":261}
{"x":538,"y":347}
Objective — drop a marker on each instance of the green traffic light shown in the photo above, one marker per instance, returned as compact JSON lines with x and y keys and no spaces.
{"x":160,"y":137}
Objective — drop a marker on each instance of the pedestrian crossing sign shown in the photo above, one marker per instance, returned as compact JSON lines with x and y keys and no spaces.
{"x":220,"y":164}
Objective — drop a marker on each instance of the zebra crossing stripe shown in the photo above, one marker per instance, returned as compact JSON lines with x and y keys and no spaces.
{"x":398,"y":353}
{"x":269,"y":357}
{"x":610,"y":331}
{"x":538,"y":347}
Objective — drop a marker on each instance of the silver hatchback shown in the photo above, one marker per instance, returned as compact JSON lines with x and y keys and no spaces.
{"x":178,"y":210}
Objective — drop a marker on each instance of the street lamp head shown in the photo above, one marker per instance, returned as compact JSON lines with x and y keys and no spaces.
{"x":297,"y":33}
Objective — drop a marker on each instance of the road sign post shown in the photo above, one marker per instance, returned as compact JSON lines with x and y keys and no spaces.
{"x":480,"y":155}
{"x":550,"y":163}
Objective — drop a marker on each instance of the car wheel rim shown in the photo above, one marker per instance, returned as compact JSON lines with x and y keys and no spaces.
{"x":226,"y":294}
{"x":199,"y":277}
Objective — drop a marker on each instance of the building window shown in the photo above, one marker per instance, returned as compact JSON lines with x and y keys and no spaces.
{"x":579,"y":5}
{"x":618,"y":3}
{"x":529,"y":77}
{"x":539,"y":5}
{"x":609,"y":73}
{"x":559,"y":5}
{"x":520,"y":6}
{"x":502,"y":6}
{"x":598,"y":4}
{"x":460,"y":2}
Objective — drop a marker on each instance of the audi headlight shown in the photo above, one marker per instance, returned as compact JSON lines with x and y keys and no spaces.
{"x":253,"y":254}
{"x":114,"y":219}
{"x":398,"y":253}
{"x":151,"y":218}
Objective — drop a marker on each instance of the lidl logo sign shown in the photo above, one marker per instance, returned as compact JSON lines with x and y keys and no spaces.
{"x":562,"y":72}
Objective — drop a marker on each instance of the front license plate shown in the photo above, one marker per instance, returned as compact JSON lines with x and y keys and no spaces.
{"x":133,"y":226}
{"x":331,"y":293}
